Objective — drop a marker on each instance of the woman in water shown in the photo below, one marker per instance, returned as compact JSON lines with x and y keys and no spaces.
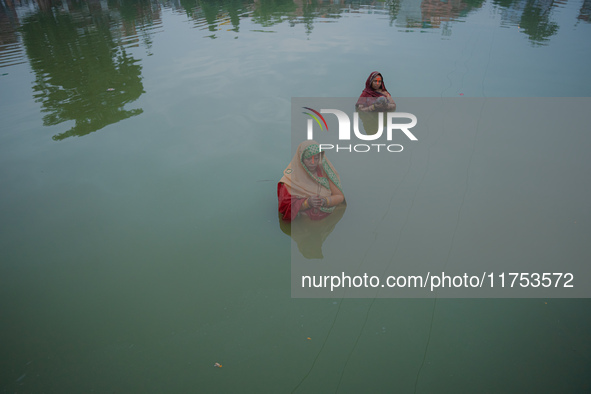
{"x":375,"y":97}
{"x":310,"y":185}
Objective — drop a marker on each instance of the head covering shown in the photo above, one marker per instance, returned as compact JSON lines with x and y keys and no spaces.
{"x":369,"y":91}
{"x":302,"y":183}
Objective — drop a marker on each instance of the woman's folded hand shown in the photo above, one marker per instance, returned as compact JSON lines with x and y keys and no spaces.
{"x":315,"y":201}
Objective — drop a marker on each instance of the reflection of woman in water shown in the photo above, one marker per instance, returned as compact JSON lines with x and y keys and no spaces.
{"x":310,"y":234}
{"x":310,"y":185}
{"x":375,"y":97}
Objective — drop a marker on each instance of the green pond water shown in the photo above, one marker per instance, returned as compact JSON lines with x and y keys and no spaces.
{"x":140,"y":146}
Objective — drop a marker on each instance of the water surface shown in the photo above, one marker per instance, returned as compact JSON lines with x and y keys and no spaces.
{"x":140,"y":147}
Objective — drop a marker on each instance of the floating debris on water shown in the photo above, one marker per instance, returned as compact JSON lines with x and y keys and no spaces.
{"x":218,"y":365}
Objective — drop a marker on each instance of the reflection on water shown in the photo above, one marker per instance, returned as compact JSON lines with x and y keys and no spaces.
{"x":437,"y":14}
{"x":81,"y":72}
{"x":372,"y":122}
{"x":79,"y":51}
{"x":217,"y":14}
{"x":532,"y":16}
{"x":585,"y":12}
{"x":11,"y":52}
{"x":308,"y":234}
{"x":134,"y":18}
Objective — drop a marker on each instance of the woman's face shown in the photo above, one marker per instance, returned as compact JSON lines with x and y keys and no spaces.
{"x":377,"y":82}
{"x":312,"y":162}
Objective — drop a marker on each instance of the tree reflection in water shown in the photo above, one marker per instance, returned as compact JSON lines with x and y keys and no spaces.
{"x":82,"y":74}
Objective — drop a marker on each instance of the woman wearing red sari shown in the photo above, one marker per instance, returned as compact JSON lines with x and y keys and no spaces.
{"x":310,"y":185}
{"x":375,"y":97}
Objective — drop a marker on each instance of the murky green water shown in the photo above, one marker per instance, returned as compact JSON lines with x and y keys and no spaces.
{"x":140,"y":147}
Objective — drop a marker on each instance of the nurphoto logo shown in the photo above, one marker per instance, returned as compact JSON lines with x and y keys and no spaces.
{"x":344,"y":132}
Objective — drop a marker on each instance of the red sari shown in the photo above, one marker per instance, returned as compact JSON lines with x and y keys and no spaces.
{"x":289,"y":206}
{"x":298,"y":184}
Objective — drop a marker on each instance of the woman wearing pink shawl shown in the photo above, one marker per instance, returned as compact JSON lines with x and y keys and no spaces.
{"x":375,"y":97}
{"x":310,"y":185}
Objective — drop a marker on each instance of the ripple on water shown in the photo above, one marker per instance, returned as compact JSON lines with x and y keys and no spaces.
{"x":12,"y":57}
